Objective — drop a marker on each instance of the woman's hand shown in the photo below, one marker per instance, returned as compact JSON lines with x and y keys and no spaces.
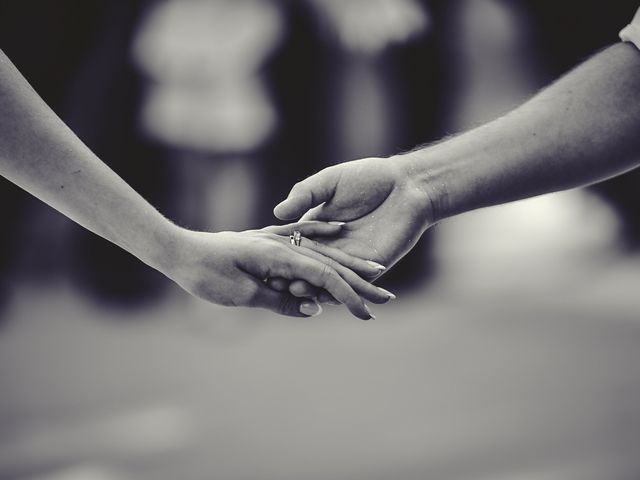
{"x":234,"y":268}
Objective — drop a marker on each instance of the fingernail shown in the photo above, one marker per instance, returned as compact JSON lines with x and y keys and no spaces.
{"x":311,"y":309}
{"x":387,"y":293}
{"x":338,"y":224}
{"x":376,"y":265}
{"x":371,"y":315}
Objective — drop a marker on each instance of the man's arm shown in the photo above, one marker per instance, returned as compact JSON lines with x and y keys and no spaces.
{"x":583,"y":128}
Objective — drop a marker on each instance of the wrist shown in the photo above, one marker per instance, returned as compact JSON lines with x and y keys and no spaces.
{"x":165,"y":244}
{"x":424,"y":176}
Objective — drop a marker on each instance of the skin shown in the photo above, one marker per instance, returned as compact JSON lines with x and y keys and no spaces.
{"x":582,"y":129}
{"x":42,"y":156}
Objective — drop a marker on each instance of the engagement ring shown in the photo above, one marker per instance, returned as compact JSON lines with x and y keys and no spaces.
{"x":295,"y":238}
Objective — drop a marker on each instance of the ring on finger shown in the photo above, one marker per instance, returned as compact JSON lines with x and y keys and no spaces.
{"x":295,"y":238}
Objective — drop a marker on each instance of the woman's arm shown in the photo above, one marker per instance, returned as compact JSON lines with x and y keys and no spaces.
{"x":39,"y":153}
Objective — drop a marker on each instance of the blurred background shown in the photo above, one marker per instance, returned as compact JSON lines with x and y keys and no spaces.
{"x":511,"y":353}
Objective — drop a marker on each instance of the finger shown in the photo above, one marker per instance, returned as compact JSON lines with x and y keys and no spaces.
{"x":360,"y":286}
{"x":340,"y":260}
{"x":284,"y":303}
{"x":303,"y":289}
{"x":315,"y":213}
{"x":309,"y":228}
{"x":297,"y":288}
{"x":308,"y":193}
{"x":325,"y":297}
{"x":365,"y":268}
{"x":321,"y":275}
{"x":278,"y":284}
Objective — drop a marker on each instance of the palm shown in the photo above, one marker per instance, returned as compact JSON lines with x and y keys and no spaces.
{"x":385,"y":215}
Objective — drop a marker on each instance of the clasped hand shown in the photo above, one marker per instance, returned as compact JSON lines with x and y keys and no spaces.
{"x":384,"y":209}
{"x":257,"y":268}
{"x":355,"y":217}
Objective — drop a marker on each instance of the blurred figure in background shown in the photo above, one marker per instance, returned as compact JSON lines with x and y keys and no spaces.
{"x":206,"y":102}
{"x":374,"y":107}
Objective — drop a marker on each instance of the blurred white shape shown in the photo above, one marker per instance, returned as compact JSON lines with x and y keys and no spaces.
{"x":495,"y":68}
{"x":527,"y":246}
{"x":232,"y":117}
{"x":370,"y":26}
{"x":201,"y":40}
{"x":203,"y":58}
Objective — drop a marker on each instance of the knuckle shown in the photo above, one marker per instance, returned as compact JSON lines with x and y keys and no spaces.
{"x":327,"y":274}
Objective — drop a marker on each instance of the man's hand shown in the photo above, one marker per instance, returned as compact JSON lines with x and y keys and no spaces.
{"x":385,"y":211}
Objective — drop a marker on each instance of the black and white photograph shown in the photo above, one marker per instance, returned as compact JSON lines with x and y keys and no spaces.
{"x":319,"y":240}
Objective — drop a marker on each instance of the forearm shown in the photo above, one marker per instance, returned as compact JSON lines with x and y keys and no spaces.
{"x":41,"y":155}
{"x":582,"y":129}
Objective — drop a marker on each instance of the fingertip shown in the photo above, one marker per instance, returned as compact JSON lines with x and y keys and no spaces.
{"x":310,"y":308}
{"x":291,"y":208}
{"x":381,"y":296}
{"x":376,"y":266}
{"x":390,"y":296}
{"x":362,"y":312}
{"x":369,"y":312}
{"x":280,"y":211}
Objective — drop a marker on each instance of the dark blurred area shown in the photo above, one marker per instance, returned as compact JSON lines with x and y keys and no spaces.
{"x":212,"y":110}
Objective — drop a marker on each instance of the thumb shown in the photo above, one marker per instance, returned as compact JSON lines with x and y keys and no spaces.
{"x":285,"y":304}
{"x":307,"y":194}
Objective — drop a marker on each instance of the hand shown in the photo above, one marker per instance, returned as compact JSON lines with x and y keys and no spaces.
{"x":385,"y":210}
{"x":232,"y":268}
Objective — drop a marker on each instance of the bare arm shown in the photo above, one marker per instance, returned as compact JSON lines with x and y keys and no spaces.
{"x":41,"y":155}
{"x":582,"y":129}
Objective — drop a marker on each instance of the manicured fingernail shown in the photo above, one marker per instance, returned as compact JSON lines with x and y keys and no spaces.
{"x":371,"y":315}
{"x":376,"y":265}
{"x":338,"y":224}
{"x":388,"y":293}
{"x":311,"y":309}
